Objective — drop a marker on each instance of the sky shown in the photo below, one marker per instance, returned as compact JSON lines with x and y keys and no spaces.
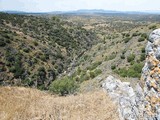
{"x":69,"y":5}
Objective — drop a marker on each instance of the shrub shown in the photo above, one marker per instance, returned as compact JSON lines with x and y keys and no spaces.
{"x":2,"y":43}
{"x":110,"y":57}
{"x":94,"y":65}
{"x":144,"y":35}
{"x":2,"y":68}
{"x":27,"y":50}
{"x":127,"y":35}
{"x":122,"y":72}
{"x":143,"y":50}
{"x":133,"y":71}
{"x":92,"y":74}
{"x":141,"y":39}
{"x":153,"y":27}
{"x":12,"y":69}
{"x":95,"y":73}
{"x":18,"y":70}
{"x":63,"y":86}
{"x":122,"y":56}
{"x":113,"y":67}
{"x":84,"y":77}
{"x":35,"y":43}
{"x":131,"y":57}
{"x":135,"y":34}
{"x":28,"y":82}
{"x":126,"y":40}
{"x":143,"y":57}
{"x":43,"y":57}
{"x":98,"y":71}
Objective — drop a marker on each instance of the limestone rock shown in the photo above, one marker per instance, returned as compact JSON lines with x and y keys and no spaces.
{"x":143,"y":103}
{"x":151,"y":77}
{"x":123,"y":94}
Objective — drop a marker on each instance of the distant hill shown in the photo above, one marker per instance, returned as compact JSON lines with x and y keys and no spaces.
{"x":88,"y":11}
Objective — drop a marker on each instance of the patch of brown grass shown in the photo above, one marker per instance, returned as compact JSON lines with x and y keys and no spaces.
{"x":31,"y":104}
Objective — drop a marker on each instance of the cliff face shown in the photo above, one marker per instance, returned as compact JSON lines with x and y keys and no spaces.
{"x":143,"y":103}
{"x":151,"y":77}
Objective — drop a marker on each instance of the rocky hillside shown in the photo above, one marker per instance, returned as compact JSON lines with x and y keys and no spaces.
{"x":72,"y":53}
{"x":120,"y":53}
{"x":143,"y":102}
{"x":34,"y":50}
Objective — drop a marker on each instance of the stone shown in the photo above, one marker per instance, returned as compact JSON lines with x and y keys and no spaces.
{"x":151,"y":86}
{"x":123,"y":94}
{"x":143,"y":102}
{"x":154,"y":35}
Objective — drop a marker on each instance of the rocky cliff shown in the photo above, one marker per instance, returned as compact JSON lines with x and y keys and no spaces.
{"x":151,"y":77}
{"x":143,"y":102}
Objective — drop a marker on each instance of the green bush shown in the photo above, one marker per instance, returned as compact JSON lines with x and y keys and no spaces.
{"x":43,"y":57}
{"x":84,"y":77}
{"x":122,"y":56}
{"x":113,"y":67}
{"x":28,"y":82}
{"x":110,"y":57}
{"x":98,"y":72}
{"x":122,"y":72}
{"x":133,"y":71}
{"x":135,"y":34}
{"x":63,"y":86}
{"x":27,"y":50}
{"x":92,"y":74}
{"x":2,"y":68}
{"x":143,"y":50}
{"x":141,"y":39}
{"x":127,"y":35}
{"x":35,"y":43}
{"x":94,"y":65}
{"x":18,"y":70}
{"x":153,"y":27}
{"x":144,"y":35}
{"x":126,"y":40}
{"x":42,"y":73}
{"x":95,"y":73}
{"x":131,"y":57}
{"x":15,"y":64}
{"x":142,"y":57}
{"x":2,"y":44}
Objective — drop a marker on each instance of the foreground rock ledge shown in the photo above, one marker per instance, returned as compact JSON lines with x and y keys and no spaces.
{"x":143,"y":103}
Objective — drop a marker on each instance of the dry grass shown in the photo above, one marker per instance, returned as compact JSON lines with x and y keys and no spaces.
{"x":31,"y":104}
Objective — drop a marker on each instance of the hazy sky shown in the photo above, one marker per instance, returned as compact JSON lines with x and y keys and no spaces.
{"x":66,"y":5}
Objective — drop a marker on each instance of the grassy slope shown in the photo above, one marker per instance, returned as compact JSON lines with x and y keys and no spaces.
{"x":26,"y":103}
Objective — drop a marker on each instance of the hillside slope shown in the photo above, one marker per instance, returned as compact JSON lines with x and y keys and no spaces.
{"x":121,"y":51}
{"x":30,"y":104}
{"x":34,"y":50}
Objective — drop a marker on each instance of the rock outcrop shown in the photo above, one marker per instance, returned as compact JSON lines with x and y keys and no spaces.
{"x":151,"y":77}
{"x":123,"y":95}
{"x":143,"y":103}
{"x":129,"y":101}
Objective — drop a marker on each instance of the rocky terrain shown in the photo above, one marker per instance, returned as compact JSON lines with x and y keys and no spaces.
{"x":143,"y":102}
